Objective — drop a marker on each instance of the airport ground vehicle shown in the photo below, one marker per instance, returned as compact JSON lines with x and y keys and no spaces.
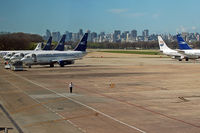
{"x":17,"y":66}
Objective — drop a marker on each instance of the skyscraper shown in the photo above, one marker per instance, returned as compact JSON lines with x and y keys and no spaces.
{"x":68,"y":36}
{"x":80,"y":33}
{"x":93,"y":36}
{"x":134,"y":33}
{"x":48,"y":34}
{"x":145,"y":33}
{"x":116,"y":36}
{"x":56,"y":36}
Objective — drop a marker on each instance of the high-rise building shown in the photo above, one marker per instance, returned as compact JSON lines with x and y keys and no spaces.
{"x":117,"y":36}
{"x":89,"y":36}
{"x":134,"y":33}
{"x":80,"y":33}
{"x":68,"y":36}
{"x":56,"y":36}
{"x":185,"y":36}
{"x":124,"y":35}
{"x":145,"y":33}
{"x":75,"y":37}
{"x":48,"y":34}
{"x":93,"y":36}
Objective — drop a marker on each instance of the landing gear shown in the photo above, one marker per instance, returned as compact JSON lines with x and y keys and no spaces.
{"x":62,"y":65}
{"x":186,"y":59}
{"x":179,"y":59}
{"x":51,"y":65}
{"x":29,"y":66}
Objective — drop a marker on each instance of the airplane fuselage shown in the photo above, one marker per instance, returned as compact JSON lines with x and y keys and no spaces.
{"x":51,"y":57}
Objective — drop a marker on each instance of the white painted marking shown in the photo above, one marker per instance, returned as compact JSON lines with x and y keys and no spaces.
{"x":108,"y":116}
{"x":62,"y":117}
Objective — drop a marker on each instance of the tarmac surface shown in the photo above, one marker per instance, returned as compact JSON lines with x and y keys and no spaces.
{"x":113,"y":93}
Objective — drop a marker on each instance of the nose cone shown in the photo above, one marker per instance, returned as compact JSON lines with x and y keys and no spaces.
{"x":12,"y":58}
{"x":23,"y":59}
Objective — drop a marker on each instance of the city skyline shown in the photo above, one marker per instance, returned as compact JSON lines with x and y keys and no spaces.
{"x":159,"y":16}
{"x":118,"y":36}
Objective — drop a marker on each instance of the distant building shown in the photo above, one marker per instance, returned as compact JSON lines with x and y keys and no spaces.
{"x":56,"y":36}
{"x":145,"y":33}
{"x":134,"y":33}
{"x":75,"y":37}
{"x":68,"y":36}
{"x":124,"y":35}
{"x":48,"y":33}
{"x":94,"y":36}
{"x":185,"y":36}
{"x":80,"y":33}
{"x":116,"y":36}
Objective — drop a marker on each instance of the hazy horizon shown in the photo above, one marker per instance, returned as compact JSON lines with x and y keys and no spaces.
{"x":159,"y":16}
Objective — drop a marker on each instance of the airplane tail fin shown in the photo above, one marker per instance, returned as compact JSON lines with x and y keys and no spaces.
{"x":181,"y":43}
{"x":82,"y":44}
{"x":162,"y":44}
{"x":60,"y":46}
{"x":38,"y":47}
{"x":48,"y":45}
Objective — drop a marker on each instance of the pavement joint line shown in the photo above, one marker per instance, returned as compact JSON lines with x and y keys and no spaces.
{"x":44,"y":104}
{"x":57,"y":120}
{"x":108,"y":116}
{"x":36,"y":105}
{"x":143,"y":108}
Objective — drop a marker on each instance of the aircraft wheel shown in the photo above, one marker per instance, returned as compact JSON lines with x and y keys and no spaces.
{"x":62,"y":65}
{"x":51,"y":65}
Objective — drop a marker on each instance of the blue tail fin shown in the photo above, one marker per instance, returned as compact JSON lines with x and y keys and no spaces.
{"x":48,"y":45}
{"x":82,"y":44}
{"x":181,"y":43}
{"x":60,"y":46}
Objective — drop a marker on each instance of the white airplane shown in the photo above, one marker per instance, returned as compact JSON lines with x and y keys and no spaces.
{"x":186,"y":50}
{"x":17,"y":55}
{"x":59,"y":47}
{"x":60,"y":57}
{"x":8,"y":54}
{"x":167,"y":51}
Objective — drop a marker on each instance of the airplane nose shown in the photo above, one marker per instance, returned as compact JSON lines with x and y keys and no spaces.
{"x":22,"y":59}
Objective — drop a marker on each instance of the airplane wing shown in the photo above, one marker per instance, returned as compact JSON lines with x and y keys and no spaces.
{"x":68,"y":59}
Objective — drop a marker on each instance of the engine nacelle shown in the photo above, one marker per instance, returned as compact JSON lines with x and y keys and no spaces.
{"x":62,"y":63}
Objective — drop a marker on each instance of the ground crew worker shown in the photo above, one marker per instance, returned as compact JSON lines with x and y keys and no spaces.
{"x":70,"y":87}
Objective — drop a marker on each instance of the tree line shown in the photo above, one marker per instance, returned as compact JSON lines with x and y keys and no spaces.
{"x":24,"y":41}
{"x":134,"y":45}
{"x":19,"y":41}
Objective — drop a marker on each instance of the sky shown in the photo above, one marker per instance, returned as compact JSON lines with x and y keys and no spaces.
{"x":159,"y":16}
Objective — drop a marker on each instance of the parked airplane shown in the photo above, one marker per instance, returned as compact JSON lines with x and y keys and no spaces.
{"x":60,"y":57}
{"x":9,"y":54}
{"x":60,"y":47}
{"x":186,"y":50}
{"x":20,"y":54}
{"x":167,"y":51}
